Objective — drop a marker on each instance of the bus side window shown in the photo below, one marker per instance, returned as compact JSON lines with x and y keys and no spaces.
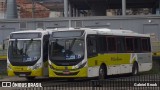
{"x":91,"y":46}
{"x":129,"y":44}
{"x":145,"y":44}
{"x":111,"y":41}
{"x":137,"y":45}
{"x":121,"y":45}
{"x":45,"y":47}
{"x":102,"y":44}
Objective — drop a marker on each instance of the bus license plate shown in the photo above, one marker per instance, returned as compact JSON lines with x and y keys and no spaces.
{"x":66,"y":72}
{"x":22,"y":75}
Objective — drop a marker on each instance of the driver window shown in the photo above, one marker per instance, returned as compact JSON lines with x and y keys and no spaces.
{"x":91,"y":46}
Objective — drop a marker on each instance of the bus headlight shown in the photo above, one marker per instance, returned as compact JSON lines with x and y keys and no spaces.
{"x":38,"y":65}
{"x":80,"y":66}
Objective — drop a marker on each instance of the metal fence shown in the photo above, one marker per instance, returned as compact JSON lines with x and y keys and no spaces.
{"x":144,"y":82}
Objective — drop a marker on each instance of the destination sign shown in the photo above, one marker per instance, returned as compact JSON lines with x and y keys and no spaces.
{"x":25,"y":35}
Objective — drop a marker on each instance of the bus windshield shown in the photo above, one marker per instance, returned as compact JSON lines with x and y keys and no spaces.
{"x":21,"y":51}
{"x":67,"y":49}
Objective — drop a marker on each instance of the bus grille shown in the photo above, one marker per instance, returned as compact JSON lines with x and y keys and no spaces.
{"x":19,"y":73}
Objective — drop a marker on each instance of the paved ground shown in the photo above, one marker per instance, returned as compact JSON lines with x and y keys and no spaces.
{"x":6,"y":78}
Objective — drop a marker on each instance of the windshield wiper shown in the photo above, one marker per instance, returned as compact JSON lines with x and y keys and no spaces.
{"x":70,"y":47}
{"x":27,"y":46}
{"x":69,"y":52}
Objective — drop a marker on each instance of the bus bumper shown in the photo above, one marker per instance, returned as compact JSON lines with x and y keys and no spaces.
{"x":24,"y":73}
{"x":80,"y":73}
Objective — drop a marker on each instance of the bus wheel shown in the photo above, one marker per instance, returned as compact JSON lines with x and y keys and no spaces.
{"x":102,"y":73}
{"x":30,"y":78}
{"x":135,"y":69}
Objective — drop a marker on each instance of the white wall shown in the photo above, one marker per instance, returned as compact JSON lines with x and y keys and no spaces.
{"x":55,"y":14}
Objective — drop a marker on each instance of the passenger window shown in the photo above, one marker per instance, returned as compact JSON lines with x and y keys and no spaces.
{"x":102,"y":44}
{"x":111,"y":41}
{"x":129,"y":44}
{"x":137,"y":45}
{"x":145,"y":44}
{"x":120,"y":44}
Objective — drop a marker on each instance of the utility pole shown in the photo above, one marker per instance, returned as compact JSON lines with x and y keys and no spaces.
{"x":123,"y":7}
{"x":65,"y":8}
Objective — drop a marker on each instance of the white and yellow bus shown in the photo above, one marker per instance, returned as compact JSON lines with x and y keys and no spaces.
{"x":84,"y":52}
{"x":28,"y":53}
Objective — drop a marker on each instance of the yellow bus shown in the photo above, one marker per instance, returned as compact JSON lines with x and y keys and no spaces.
{"x":156,"y":48}
{"x":28,"y":54}
{"x":85,"y":52}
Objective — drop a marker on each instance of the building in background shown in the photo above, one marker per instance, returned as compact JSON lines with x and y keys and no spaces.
{"x":31,"y":9}
{"x":81,"y":8}
{"x":40,"y":8}
{"x":2,"y":9}
{"x":56,"y":7}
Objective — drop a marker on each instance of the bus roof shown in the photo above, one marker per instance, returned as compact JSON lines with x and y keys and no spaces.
{"x":118,"y":32}
{"x":106,"y":31}
{"x":37,"y":30}
{"x":98,"y":31}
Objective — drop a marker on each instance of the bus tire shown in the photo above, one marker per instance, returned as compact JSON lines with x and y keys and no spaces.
{"x":102,"y":72}
{"x":30,"y":78}
{"x":135,"y":69}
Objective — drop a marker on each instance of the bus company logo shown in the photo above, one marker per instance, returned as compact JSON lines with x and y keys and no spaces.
{"x":18,"y":84}
{"x":6,"y":84}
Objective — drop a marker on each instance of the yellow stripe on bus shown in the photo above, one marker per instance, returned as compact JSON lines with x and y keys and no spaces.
{"x":109,"y":59}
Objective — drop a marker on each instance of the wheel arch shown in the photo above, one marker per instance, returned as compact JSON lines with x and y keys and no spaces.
{"x":135,"y":62}
{"x":105,"y":67}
